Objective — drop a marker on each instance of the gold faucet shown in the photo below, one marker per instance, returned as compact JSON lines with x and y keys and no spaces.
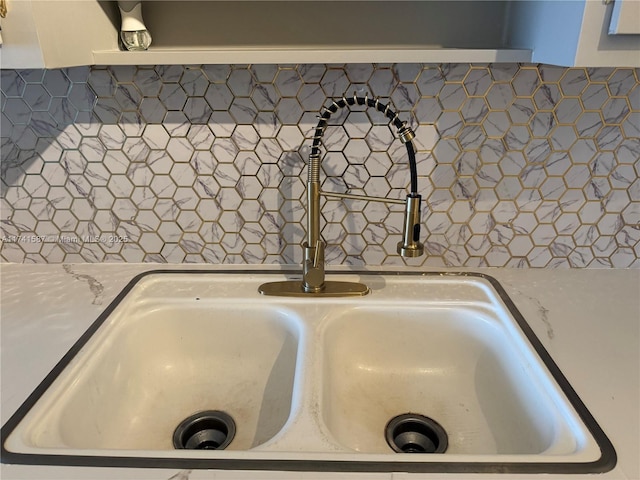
{"x":313,"y":281}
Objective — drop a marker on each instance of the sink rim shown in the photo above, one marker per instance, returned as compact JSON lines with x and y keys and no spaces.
{"x":606,"y":461}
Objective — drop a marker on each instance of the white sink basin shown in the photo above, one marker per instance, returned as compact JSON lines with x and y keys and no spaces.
{"x":457,"y":365}
{"x":310,"y":383}
{"x":154,"y":363}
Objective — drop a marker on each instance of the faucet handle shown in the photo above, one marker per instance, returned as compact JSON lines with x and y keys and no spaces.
{"x":318,"y":256}
{"x":313,"y":267}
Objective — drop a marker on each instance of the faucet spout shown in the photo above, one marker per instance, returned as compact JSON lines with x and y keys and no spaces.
{"x":313,"y":281}
{"x":410,"y":245}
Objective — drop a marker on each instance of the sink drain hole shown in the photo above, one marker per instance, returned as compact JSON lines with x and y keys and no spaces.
{"x":209,"y":430}
{"x":413,"y":433}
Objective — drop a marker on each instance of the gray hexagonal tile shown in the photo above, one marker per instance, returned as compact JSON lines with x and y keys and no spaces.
{"x":246,"y":137}
{"x":525,"y":82}
{"x":552,"y":188}
{"x":152,"y":110}
{"x":127,"y":96}
{"x":568,"y":110}
{"x":563,"y":137}
{"x":65,"y":220}
{"x":217,"y":73}
{"x":357,"y":125}
{"x":289,"y":111}
{"x":288,"y":82}
{"x":243,"y":110}
{"x":265,"y":97}
{"x":427,"y":110}
{"x":594,"y":96}
{"x":37,"y":97}
{"x":404,"y":97}
{"x":55,"y":175}
{"x":82,"y":97}
{"x":173,"y":96}
{"x":290,"y":138}
{"x":194,"y":82}
{"x":547,"y":96}
{"x":520,"y":111}
{"x":209,"y":210}
{"x":609,"y":137}
{"x":183,"y":174}
{"x":252,"y":233}
{"x":144,"y":197}
{"x":430,"y":81}
{"x":496,"y":124}
{"x":163,"y":186}
{"x":474,"y":110}
{"x":449,"y":124}
{"x":621,"y":82}
{"x":382,"y":82}
{"x":240,"y":82}
{"x":180,"y":149}
{"x":189,"y":221}
{"x":471,"y":137}
{"x":148,"y":82}
{"x":264,"y":73}
{"x":452,"y":96}
{"x":219,"y":97}
{"x":573,"y":81}
{"x":517,"y":137}
{"x":542,"y":123}
{"x":221,"y":124}
{"x":17,"y":111}
{"x":311,"y":97}
{"x":197,"y":110}
{"x":477,"y":81}
{"x":334,"y":82}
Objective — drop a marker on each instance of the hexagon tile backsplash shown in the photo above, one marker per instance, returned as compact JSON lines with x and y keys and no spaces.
{"x":519,"y":165}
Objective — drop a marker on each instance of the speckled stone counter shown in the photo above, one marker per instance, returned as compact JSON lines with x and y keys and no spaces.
{"x":588,"y":320}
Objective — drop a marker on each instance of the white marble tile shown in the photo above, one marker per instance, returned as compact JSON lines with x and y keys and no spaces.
{"x":430,"y":81}
{"x":11,"y":83}
{"x":135,"y":149}
{"x":217,"y":73}
{"x":240,"y":82}
{"x":173,"y":145}
{"x":172,"y":96}
{"x":334,"y":82}
{"x":37,"y":97}
{"x":194,"y":82}
{"x":454,"y":72}
{"x":197,"y":110}
{"x":452,"y":96}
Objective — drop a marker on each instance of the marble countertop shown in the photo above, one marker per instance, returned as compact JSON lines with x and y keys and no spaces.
{"x":588,"y":320}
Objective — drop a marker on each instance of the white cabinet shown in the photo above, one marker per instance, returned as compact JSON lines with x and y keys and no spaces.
{"x":625,"y":18}
{"x":60,"y":33}
{"x":571,"y":33}
{"x":56,"y":33}
{"x":324,"y":31}
{"x":21,"y":47}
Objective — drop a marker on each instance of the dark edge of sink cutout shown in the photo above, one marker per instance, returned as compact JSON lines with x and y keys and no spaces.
{"x":605,"y":463}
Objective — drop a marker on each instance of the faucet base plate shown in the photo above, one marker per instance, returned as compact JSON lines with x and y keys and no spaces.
{"x":294,"y":288}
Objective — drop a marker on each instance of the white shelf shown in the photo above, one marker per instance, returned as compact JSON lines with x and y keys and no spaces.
{"x":157,"y":56}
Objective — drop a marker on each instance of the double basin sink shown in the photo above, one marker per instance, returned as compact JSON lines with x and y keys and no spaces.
{"x":195,"y":369}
